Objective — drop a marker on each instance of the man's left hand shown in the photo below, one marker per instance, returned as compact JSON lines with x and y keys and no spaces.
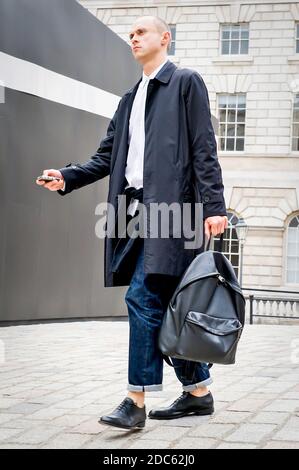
{"x":215,"y":224}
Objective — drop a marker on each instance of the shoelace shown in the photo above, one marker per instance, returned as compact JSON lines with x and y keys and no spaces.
{"x":122,"y":405}
{"x":180,"y":397}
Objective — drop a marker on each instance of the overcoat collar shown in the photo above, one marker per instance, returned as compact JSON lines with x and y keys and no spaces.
{"x":162,"y":76}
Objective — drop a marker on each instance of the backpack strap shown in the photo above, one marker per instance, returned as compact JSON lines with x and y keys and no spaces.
{"x":218,"y":243}
{"x":167,"y":359}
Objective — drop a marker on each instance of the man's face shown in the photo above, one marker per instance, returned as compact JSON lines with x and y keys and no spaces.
{"x":145,"y":40}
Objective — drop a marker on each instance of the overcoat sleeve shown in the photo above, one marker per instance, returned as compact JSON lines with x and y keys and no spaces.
{"x":98,"y":166}
{"x":206,"y":167}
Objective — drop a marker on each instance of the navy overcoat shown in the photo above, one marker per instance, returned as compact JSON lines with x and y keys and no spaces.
{"x":180,"y":163}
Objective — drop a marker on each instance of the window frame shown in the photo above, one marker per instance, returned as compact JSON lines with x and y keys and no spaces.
{"x":294,"y":122}
{"x":231,"y":215}
{"x":173,"y":39}
{"x":285,"y":250}
{"x":229,"y":40}
{"x":227,"y":123}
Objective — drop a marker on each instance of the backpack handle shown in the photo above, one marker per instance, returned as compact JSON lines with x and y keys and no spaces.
{"x":218,"y":243}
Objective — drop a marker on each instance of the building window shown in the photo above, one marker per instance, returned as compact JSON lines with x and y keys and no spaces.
{"x":231,"y":112}
{"x":295,"y":127}
{"x":292,"y":270}
{"x":172,"y":44}
{"x":297,"y":38}
{"x":234,"y":38}
{"x":230,"y":244}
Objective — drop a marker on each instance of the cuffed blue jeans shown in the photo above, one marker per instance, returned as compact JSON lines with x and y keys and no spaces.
{"x":147,"y":298}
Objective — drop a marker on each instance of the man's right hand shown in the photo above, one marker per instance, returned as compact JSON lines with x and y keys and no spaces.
{"x":52,"y":185}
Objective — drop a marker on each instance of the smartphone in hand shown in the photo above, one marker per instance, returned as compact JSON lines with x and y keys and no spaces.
{"x":48,"y":178}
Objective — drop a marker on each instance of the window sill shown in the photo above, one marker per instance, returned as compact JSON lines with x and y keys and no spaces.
{"x":293,"y":58}
{"x":233,"y":58}
{"x":229,"y":153}
{"x":291,"y":285}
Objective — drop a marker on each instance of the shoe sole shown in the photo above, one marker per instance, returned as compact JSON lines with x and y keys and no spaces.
{"x":136,"y":426}
{"x":190,"y":413}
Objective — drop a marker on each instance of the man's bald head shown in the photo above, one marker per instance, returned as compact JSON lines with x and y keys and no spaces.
{"x":160,"y":25}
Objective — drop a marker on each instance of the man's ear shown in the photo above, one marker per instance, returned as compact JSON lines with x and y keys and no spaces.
{"x":166,"y":38}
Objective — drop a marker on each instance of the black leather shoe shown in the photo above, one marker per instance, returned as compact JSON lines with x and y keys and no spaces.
{"x":127,"y":415}
{"x":185,"y":405}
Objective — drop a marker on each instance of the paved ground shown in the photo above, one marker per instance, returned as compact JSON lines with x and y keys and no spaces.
{"x":57,"y":379}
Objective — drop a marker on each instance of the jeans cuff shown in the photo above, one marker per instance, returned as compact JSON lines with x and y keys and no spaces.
{"x":203,"y":383}
{"x":145,"y":388}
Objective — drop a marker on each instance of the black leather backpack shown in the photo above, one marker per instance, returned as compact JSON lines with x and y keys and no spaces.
{"x":206,"y":314}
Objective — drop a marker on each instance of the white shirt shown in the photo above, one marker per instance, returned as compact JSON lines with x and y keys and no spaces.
{"x":136,"y":140}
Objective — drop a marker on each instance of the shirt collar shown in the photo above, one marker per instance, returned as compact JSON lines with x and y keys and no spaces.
{"x":146,"y":78}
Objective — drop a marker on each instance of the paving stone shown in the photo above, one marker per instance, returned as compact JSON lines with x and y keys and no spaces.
{"x":231,"y":417}
{"x":283,"y":405}
{"x":29,"y":394}
{"x":247,"y":404}
{"x":23,"y":423}
{"x":88,"y":427}
{"x":7,"y":433}
{"x":17,"y":446}
{"x":269,"y":417}
{"x":263,"y":396}
{"x":36,"y":435}
{"x":278,"y":387}
{"x":251,"y":433}
{"x":290,"y":395}
{"x":195,"y":443}
{"x":148,"y":444}
{"x":8,"y":402}
{"x":53,"y":398}
{"x":227,"y":395}
{"x":69,"y":420}
{"x":281,"y":445}
{"x":236,"y":445}
{"x":211,"y":430}
{"x":290,"y":431}
{"x":47,"y":414}
{"x":25,"y":408}
{"x":12,"y":389}
{"x":270,"y":372}
{"x":7,"y":417}
{"x":254,"y":379}
{"x":187,"y":421}
{"x":220,"y":405}
{"x":66,"y":441}
{"x":161,"y":433}
{"x":241,"y":387}
{"x":115,"y":439}
{"x":75,"y":404}
{"x":290,"y":377}
{"x":92,"y":410}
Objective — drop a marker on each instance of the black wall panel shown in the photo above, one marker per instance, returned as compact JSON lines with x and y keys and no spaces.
{"x":51,"y":262}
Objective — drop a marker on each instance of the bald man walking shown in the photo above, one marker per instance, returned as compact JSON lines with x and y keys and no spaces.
{"x":160,"y":148}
